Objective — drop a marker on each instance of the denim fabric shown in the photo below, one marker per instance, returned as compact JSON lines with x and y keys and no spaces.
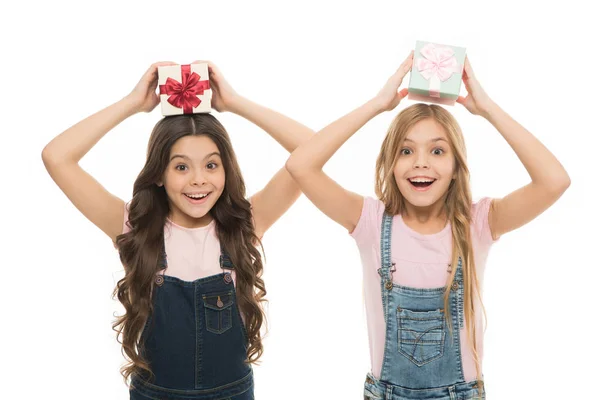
{"x":239,"y":390}
{"x":378,"y":390}
{"x":195,"y":342}
{"x":422,"y":356}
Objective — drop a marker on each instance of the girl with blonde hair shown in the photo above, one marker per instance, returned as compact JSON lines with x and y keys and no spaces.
{"x":423,"y":242}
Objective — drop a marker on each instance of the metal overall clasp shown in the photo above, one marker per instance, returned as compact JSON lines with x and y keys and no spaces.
{"x":388,"y":284}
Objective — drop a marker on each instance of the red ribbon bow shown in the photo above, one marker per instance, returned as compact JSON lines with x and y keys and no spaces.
{"x":185,"y":94}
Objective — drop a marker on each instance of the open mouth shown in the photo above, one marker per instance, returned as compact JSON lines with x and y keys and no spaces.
{"x":197,"y":198}
{"x":422,"y":183}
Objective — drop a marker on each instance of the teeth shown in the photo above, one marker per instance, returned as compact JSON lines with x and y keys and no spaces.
{"x":422,"y":180}
{"x":197,"y":196}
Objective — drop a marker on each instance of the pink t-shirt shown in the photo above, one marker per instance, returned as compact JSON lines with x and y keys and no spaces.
{"x":421,"y":262}
{"x":192,"y":253}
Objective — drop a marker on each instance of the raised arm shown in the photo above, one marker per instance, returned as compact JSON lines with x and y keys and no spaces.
{"x":306,"y":163}
{"x":549,"y":180}
{"x":281,"y":191}
{"x":62,"y":155}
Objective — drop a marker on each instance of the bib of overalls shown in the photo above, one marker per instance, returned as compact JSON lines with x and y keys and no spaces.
{"x":195,"y":340}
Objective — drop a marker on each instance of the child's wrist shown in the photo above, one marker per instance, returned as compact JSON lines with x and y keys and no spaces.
{"x":130,"y":105}
{"x":236,"y":104}
{"x":375,"y":105}
{"x":489,"y":110}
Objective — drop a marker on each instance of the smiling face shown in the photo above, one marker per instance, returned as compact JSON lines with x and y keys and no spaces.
{"x":425,"y":166}
{"x":193,"y":180}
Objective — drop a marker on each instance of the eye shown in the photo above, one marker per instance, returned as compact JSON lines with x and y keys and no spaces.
{"x":403,"y":152}
{"x":440,"y":149}
{"x":183,"y":167}
{"x":211,"y":165}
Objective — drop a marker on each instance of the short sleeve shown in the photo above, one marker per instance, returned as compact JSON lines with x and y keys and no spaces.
{"x":367,"y":227}
{"x":481,"y":211}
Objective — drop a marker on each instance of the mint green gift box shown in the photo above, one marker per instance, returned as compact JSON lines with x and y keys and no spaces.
{"x":436,"y":73}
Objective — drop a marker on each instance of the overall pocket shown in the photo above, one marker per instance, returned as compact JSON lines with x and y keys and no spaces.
{"x":421,"y":335}
{"x":217,"y":308}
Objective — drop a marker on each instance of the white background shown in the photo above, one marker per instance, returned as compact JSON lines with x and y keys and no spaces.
{"x":64,"y":61}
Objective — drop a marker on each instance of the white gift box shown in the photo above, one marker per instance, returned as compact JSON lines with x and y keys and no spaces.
{"x":184,"y":89}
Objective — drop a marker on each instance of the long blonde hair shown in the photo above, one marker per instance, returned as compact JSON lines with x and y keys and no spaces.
{"x":457,"y":204}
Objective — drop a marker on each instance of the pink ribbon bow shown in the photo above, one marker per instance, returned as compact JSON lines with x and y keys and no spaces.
{"x":437,"y":65}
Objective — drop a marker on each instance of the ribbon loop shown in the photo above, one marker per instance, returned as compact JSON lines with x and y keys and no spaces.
{"x":437,"y":65}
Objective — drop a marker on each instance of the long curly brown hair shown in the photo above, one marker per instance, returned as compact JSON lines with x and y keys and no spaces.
{"x":140,"y":249}
{"x":457,"y":204}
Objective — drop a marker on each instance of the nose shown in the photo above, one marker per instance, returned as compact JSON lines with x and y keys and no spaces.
{"x":198,"y":178}
{"x":421,"y":161}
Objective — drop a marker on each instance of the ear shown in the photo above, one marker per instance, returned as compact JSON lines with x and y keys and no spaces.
{"x":159,"y":184}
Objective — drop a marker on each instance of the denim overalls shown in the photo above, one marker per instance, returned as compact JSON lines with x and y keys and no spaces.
{"x":195,"y":341}
{"x":422,"y":358}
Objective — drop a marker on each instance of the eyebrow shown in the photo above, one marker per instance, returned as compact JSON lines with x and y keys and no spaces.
{"x":214,"y":153}
{"x":432,"y":140}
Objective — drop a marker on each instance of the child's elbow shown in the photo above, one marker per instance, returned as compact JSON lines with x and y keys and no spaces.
{"x":47,"y":157}
{"x":563,"y":185}
{"x":299,"y":167}
{"x":567,"y":183}
{"x":291,"y":165}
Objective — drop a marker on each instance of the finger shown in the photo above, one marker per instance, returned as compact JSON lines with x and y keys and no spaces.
{"x":461,"y":99}
{"x":407,"y":63}
{"x":465,"y":78}
{"x":152,"y":72}
{"x":210,"y":64}
{"x":401,"y":72}
{"x":214,"y":73}
{"x":403,"y":93}
{"x":409,"y":58}
{"x":468,"y":70}
{"x":213,"y":68}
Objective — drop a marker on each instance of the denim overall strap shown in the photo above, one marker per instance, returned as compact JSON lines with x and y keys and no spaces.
{"x":457,"y":313}
{"x":224,"y":261}
{"x":386,"y":269}
{"x":460,"y":292}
